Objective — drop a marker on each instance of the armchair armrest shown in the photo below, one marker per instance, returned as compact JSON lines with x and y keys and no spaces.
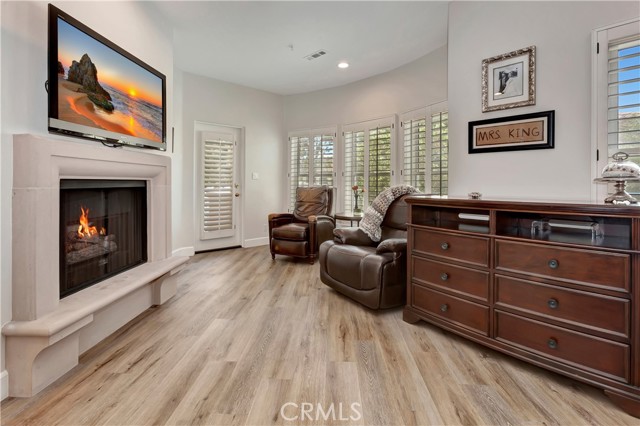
{"x":278,"y":219}
{"x":392,"y":245}
{"x":353,"y":236}
{"x":324,"y":228}
{"x":280,"y":216}
{"x":322,"y":219}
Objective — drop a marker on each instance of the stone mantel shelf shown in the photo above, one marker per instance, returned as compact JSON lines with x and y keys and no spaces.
{"x":77,"y":307}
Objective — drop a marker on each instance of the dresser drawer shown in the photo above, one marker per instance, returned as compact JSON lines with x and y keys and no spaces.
{"x":610,"y":314}
{"x":474,"y":250}
{"x":447,"y":277}
{"x":458,"y":311}
{"x":593,"y":268}
{"x":582,"y":350}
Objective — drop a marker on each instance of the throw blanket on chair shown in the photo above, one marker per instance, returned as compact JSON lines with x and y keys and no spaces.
{"x":374,"y":214}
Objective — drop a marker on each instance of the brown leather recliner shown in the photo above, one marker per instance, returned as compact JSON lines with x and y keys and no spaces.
{"x":373,"y":274}
{"x":300,"y":233}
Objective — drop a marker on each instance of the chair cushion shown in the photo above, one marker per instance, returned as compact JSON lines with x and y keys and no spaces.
{"x":291,"y":231}
{"x":397,"y":214}
{"x":311,"y":201}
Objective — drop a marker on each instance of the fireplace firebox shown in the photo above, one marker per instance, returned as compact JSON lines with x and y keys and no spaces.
{"x":103,"y":230}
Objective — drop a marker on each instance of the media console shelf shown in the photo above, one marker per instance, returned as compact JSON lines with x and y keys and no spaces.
{"x":554,"y":284}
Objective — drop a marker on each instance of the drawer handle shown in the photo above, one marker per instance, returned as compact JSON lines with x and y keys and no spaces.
{"x":444,"y":276}
{"x":444,"y":307}
{"x":552,"y":343}
{"x":553,"y":264}
{"x":444,"y":246}
{"x":553,"y":303}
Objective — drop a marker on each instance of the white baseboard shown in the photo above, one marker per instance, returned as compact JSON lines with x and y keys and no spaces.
{"x":255,"y":242}
{"x":184,"y":251}
{"x":4,"y":385}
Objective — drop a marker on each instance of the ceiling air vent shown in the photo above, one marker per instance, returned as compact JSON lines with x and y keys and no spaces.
{"x":315,"y":55}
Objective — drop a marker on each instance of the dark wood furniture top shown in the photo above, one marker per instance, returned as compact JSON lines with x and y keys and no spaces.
{"x":554,"y":284}
{"x":349,"y":216}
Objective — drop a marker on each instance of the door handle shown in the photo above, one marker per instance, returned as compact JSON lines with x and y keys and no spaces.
{"x":237,"y":194}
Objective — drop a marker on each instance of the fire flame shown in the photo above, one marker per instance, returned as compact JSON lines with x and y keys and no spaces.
{"x":84,"y":230}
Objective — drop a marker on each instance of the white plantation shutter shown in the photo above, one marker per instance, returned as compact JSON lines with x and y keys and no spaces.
{"x":379,"y":161}
{"x":353,"y":171}
{"x":425,"y":150}
{"x":439,"y":153}
{"x":218,"y":187}
{"x":298,"y":166}
{"x":311,"y":159}
{"x":323,"y":159}
{"x":623,"y":100}
{"x":616,"y":99}
{"x":414,"y":135}
{"x":368,"y":157}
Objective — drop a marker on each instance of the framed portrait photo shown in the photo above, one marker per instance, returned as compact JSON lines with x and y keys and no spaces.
{"x":508,"y":81}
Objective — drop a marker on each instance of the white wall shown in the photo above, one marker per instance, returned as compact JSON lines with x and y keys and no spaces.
{"x":561,"y":32}
{"x":260,"y":114}
{"x":132,"y":25}
{"x":5,"y":291}
{"x":417,"y":84}
{"x":267,"y":118}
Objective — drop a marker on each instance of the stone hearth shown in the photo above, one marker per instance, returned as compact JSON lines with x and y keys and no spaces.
{"x":46,"y":334}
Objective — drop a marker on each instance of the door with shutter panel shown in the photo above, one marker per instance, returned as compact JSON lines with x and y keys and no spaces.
{"x":219,"y":188}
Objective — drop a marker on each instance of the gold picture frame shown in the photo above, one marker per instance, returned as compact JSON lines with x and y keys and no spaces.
{"x":509,"y":80}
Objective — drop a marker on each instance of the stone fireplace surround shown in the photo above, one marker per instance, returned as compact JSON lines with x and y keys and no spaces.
{"x":46,"y":334}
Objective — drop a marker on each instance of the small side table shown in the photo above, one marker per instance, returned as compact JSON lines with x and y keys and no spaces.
{"x":350,"y":216}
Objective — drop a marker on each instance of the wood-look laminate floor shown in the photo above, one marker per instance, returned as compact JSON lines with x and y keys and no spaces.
{"x":246,"y":336}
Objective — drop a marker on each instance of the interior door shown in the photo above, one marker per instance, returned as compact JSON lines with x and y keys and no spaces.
{"x":219,"y":188}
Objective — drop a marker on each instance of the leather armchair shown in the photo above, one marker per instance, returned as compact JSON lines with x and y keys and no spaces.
{"x":299,"y":234}
{"x":373,"y":274}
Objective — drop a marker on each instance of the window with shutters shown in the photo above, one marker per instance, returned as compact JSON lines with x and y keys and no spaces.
{"x":439,"y":161}
{"x":368,"y":158}
{"x":425,"y":149}
{"x":618,"y":96}
{"x":414,"y":132}
{"x":311,"y":159}
{"x":354,"y":164}
{"x":217,"y":175}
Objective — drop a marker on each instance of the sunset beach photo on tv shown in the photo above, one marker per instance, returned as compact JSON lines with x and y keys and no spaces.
{"x":100,"y":88}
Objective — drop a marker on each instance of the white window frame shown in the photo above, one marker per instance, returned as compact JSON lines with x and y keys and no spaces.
{"x":599,"y":122}
{"x":413,"y":115}
{"x":311,"y":134}
{"x":425,"y":113}
{"x":433,"y":110}
{"x":366,"y":126}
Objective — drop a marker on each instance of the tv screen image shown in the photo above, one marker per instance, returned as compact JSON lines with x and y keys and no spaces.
{"x":101,"y":91}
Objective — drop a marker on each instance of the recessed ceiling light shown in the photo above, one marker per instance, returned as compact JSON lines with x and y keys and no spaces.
{"x":343,"y":65}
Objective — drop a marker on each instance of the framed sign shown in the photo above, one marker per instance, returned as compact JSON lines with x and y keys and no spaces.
{"x":509,"y":80}
{"x":514,"y":133}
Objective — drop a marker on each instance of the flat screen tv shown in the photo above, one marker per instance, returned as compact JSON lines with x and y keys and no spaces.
{"x":99,"y":91}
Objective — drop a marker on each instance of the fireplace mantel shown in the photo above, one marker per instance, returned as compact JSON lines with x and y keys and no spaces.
{"x":46,"y":335}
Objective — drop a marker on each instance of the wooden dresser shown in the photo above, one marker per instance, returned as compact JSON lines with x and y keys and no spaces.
{"x":557,"y":285}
